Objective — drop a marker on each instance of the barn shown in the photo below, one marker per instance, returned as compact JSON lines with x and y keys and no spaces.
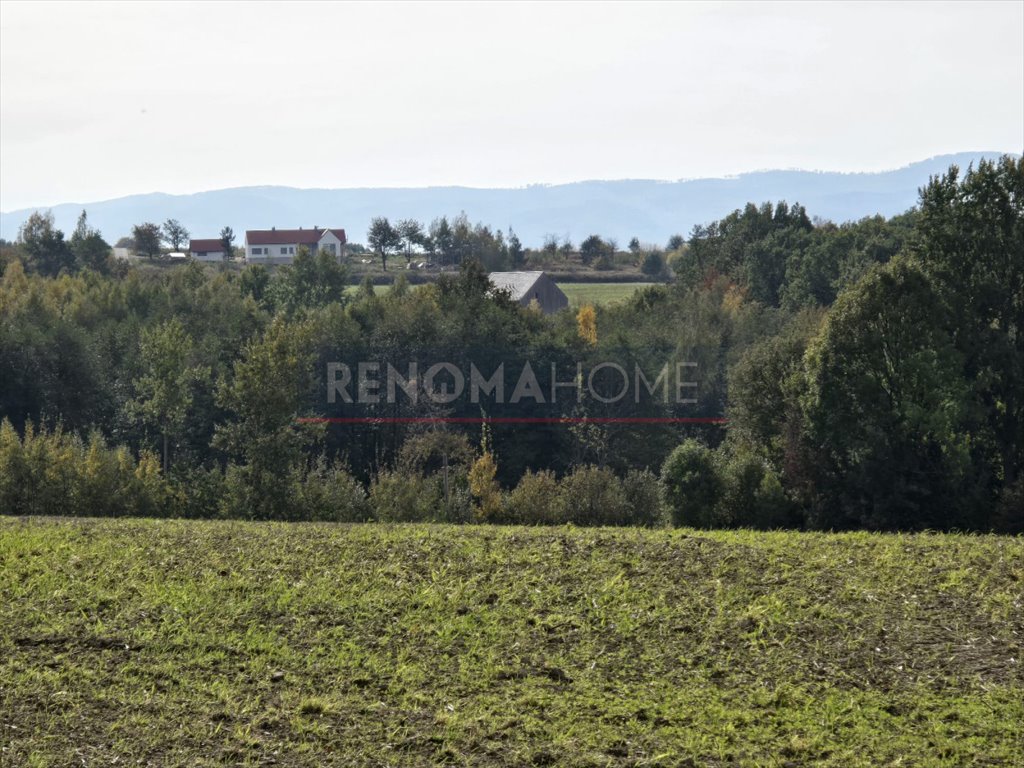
{"x":528,"y":287}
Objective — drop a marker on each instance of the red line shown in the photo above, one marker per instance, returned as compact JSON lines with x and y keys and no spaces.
{"x":512,"y":420}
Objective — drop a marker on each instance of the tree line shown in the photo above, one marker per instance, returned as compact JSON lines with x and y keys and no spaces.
{"x":869,"y":371}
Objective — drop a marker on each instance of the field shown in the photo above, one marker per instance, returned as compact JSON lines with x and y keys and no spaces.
{"x":578,"y":293}
{"x":231,"y":643}
{"x":599,"y":293}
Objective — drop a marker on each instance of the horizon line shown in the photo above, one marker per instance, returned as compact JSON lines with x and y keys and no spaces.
{"x":511,"y":188}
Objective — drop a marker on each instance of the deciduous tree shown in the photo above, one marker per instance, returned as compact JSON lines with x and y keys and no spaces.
{"x":174,"y":233}
{"x":384,"y":239}
{"x":146,"y":239}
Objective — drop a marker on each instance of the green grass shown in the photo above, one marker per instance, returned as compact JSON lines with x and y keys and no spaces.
{"x":380,"y":290}
{"x":578,"y":293}
{"x":231,"y":643}
{"x":599,"y":293}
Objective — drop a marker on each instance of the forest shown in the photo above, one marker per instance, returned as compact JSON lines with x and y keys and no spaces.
{"x":859,"y":375}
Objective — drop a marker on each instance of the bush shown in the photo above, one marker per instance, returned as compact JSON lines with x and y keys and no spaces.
{"x":199,"y":490}
{"x":653,"y":264}
{"x":645,"y":497}
{"x":692,"y":484}
{"x":253,"y":493}
{"x":594,"y":496}
{"x":329,"y":492}
{"x":485,"y":489}
{"x":752,"y":495}
{"x":56,"y":473}
{"x":401,"y":497}
{"x":536,"y":500}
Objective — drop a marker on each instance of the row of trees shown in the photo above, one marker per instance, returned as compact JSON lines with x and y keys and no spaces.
{"x":148,"y":239}
{"x":449,"y":243}
{"x":870,"y":373}
{"x":43,"y":248}
{"x":454,"y":242}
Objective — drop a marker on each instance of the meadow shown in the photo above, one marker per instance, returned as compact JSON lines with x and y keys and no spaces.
{"x":599,"y":293}
{"x":578,"y":293}
{"x":159,"y":642}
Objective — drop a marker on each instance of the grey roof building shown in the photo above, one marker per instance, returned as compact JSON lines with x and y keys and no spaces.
{"x":527,"y":287}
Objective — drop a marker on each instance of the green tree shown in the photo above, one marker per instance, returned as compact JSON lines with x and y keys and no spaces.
{"x":146,"y":238}
{"x":165,"y":390}
{"x":886,"y":408}
{"x":412,"y":235}
{"x":309,"y":281}
{"x":227,"y":242}
{"x":384,"y":239}
{"x":970,"y":242}
{"x":254,"y":281}
{"x":44,"y":246}
{"x":91,"y":251}
{"x":269,"y":386}
{"x":174,"y":233}
{"x":516,"y":253}
{"x":592,"y":249}
{"x":692,"y":484}
{"x":653,"y":264}
{"x":442,"y":239}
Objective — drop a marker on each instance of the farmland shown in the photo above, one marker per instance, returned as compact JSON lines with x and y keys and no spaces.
{"x":213,"y":643}
{"x":599,"y":293}
{"x":578,"y":293}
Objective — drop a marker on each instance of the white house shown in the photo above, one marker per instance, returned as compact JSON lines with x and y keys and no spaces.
{"x":278,"y":246}
{"x":206,"y":250}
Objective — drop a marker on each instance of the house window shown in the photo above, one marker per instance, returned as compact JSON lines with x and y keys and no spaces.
{"x":284,"y":249}
{"x":329,"y":247}
{"x":291,"y":249}
{"x":257,"y":251}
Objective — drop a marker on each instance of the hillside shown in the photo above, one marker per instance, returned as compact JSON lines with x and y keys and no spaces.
{"x":650,"y":210}
{"x":215,"y":643}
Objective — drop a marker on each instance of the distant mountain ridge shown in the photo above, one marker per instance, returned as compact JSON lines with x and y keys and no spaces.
{"x":649,"y":210}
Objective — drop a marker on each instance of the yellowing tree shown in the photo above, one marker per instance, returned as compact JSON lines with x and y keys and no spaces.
{"x":484,"y":487}
{"x":586,"y":322}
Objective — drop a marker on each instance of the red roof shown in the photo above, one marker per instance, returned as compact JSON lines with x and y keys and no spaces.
{"x":289,"y":236}
{"x":205,"y":246}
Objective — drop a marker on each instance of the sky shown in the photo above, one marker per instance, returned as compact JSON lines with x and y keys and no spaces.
{"x":101,"y":100}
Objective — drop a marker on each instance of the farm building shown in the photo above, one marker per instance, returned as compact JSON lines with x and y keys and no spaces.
{"x":527,"y":287}
{"x":206,"y":250}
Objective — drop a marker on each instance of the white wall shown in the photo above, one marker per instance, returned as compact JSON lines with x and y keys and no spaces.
{"x":208,"y":255}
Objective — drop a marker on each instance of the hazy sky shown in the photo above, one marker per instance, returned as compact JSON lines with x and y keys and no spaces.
{"x":103,"y":100}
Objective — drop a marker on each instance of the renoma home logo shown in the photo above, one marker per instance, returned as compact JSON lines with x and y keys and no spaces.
{"x":522,"y":391}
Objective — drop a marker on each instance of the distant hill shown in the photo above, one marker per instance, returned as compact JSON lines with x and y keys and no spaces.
{"x":650,"y":210}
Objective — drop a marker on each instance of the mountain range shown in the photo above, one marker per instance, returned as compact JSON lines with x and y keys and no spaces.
{"x":648,"y":209}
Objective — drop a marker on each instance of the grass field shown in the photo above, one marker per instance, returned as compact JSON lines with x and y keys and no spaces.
{"x":230,"y":643}
{"x":599,"y":293}
{"x":578,"y":293}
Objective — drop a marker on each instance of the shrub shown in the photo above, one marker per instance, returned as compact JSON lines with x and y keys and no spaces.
{"x":594,"y":496}
{"x":752,"y":495}
{"x":692,"y":484}
{"x":55,"y":473}
{"x":201,"y":490}
{"x":401,"y":497}
{"x":253,"y":493}
{"x":485,"y":488}
{"x":653,"y":264}
{"x":645,"y":497}
{"x":536,"y":500}
{"x":329,"y":492}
